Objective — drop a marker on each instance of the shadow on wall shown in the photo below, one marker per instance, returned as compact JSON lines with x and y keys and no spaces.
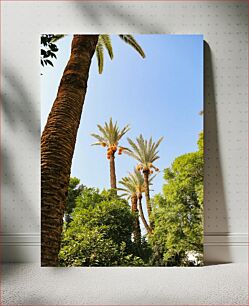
{"x":93,"y":13}
{"x":214,"y":194}
{"x":17,"y":106}
{"x":22,"y":120}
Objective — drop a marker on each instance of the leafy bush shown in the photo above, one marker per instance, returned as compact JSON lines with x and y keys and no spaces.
{"x":100,"y":232}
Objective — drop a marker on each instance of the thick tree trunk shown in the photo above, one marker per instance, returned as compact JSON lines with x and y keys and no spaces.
{"x":137,"y":230}
{"x":58,"y":142}
{"x":147,"y":194}
{"x":141,"y":213}
{"x":113,"y":172}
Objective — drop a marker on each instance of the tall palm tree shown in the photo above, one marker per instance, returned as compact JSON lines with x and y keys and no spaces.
{"x":146,"y":153}
{"x":58,"y":141}
{"x":133,"y":186}
{"x":109,"y":137}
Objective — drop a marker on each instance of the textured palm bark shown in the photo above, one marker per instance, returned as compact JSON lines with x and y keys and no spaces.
{"x":137,"y":230}
{"x":141,"y":213}
{"x":58,"y":142}
{"x":113,"y":172}
{"x":147,"y":194}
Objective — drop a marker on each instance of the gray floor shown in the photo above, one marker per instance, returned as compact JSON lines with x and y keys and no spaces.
{"x":27,"y":284}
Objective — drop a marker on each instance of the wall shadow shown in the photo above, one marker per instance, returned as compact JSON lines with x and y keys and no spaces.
{"x":17,"y":106}
{"x":215,"y":208}
{"x":20,"y":119}
{"x":141,"y":26}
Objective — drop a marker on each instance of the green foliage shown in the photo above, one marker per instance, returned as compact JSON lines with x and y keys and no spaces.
{"x":100,"y":232}
{"x":74,"y":190}
{"x":201,"y":143}
{"x":102,"y":223}
{"x":178,"y":212}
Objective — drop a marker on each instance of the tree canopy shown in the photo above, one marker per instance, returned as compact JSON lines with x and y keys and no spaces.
{"x":178,"y":212}
{"x":101,"y":223}
{"x":74,"y":190}
{"x":100,"y":232}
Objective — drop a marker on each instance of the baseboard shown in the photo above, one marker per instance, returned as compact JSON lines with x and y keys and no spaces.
{"x":218,"y":247}
{"x":225,"y":247}
{"x":20,"y":247}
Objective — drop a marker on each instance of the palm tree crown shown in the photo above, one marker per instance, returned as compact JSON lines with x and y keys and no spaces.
{"x":134,"y":183}
{"x":145,"y":152}
{"x":110,"y":135}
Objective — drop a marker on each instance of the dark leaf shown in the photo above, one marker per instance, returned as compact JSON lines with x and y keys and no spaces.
{"x":50,"y":63}
{"x":53,"y":47}
{"x":47,"y":54}
{"x":53,"y":55}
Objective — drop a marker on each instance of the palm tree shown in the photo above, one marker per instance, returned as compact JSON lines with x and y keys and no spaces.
{"x":58,"y":141}
{"x":129,"y":188}
{"x":133,"y":186}
{"x":109,"y":137}
{"x":146,"y":153}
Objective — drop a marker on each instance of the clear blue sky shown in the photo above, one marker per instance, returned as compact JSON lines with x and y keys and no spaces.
{"x":160,"y":95}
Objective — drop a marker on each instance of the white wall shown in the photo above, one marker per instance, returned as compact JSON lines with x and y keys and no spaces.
{"x":224,"y":25}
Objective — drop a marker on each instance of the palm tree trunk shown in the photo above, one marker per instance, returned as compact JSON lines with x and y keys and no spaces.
{"x":137,"y":230}
{"x":141,"y":213}
{"x":147,"y":194}
{"x":113,"y":172}
{"x":58,"y":142}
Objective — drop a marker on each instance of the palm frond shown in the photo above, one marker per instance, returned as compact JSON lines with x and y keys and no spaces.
{"x":104,"y":41}
{"x":125,"y":149}
{"x":151,"y":178}
{"x":143,"y":148}
{"x":103,"y":131}
{"x":153,"y":150}
{"x":156,"y":145}
{"x":98,"y":137}
{"x":136,"y":152}
{"x":108,"y":44}
{"x":57,"y":37}
{"x":127,"y":195}
{"x":130,"y":40}
{"x":124,"y":131}
{"x":128,"y":187}
{"x":96,"y":144}
{"x":100,"y":55}
{"x":132,"y":154}
{"x":138,"y":179}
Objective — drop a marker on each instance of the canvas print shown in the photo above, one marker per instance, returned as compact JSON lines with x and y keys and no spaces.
{"x":121,"y":150}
